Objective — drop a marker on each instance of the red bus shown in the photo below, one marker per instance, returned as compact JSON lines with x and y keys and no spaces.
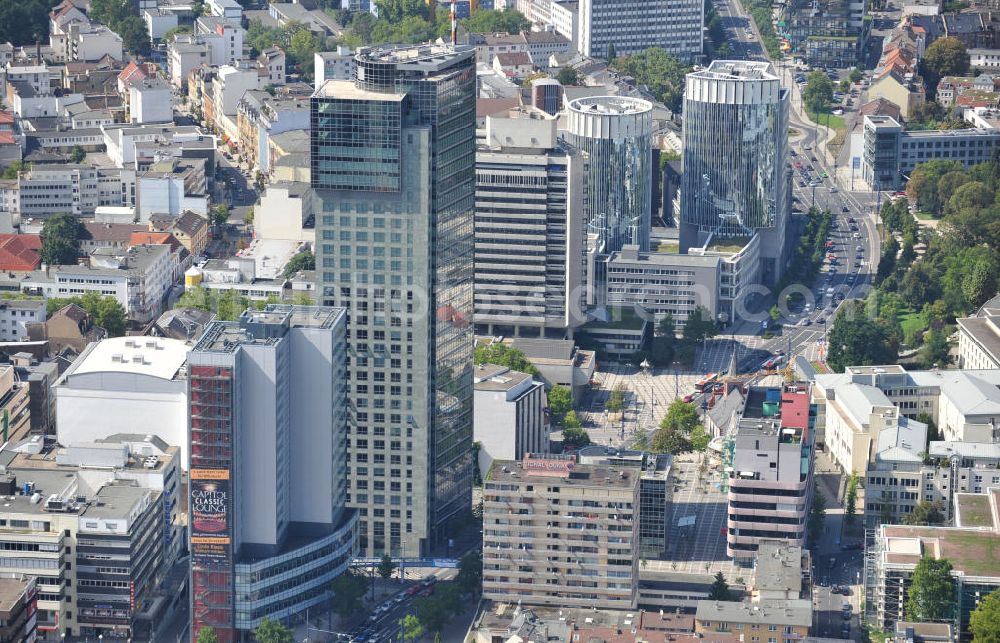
{"x":701,"y":384}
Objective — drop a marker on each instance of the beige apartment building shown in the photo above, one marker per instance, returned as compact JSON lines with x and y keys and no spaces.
{"x":560,"y":533}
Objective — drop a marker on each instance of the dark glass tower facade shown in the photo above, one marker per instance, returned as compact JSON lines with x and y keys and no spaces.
{"x":393,"y":169}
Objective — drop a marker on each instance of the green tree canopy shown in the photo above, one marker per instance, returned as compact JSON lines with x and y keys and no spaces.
{"x":818,"y":92}
{"x":103,"y":309}
{"x":386,"y":567}
{"x":984,"y":622}
{"x":412,"y":628}
{"x":932,"y":591}
{"x":925,"y":513}
{"x":270,"y":631}
{"x":661,"y":72}
{"x":503,"y":355}
{"x":470,"y":572}
{"x":489,"y":21}
{"x":817,"y":516}
{"x":567,"y":76}
{"x":699,"y":325}
{"x":720,"y":589}
{"x":207,"y":635}
{"x":856,"y":340}
{"x":944,"y":57}
{"x":304,"y":260}
{"x":682,"y":416}
{"x":560,"y":401}
{"x":348,"y":589}
{"x":574,"y":438}
{"x":571,"y":421}
{"x":61,"y":240}
{"x":78,"y":154}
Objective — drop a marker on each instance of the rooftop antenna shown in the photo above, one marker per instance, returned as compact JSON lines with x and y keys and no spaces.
{"x":454,"y":24}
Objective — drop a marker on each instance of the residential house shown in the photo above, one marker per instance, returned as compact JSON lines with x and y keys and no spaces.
{"x":189,"y":228}
{"x":69,"y":327}
{"x":515,"y":64}
{"x":271,"y":66}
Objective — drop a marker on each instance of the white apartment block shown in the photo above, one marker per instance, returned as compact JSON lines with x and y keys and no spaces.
{"x":47,"y":190}
{"x":224,"y":38}
{"x":334,"y":65}
{"x":984,"y":58}
{"x":632,"y":27}
{"x":979,"y":340}
{"x":138,"y":278}
{"x":93,"y":43}
{"x":853,"y":407}
{"x":15,"y":313}
{"x":150,"y":102}
{"x":184,"y":53}
{"x":509,"y":415}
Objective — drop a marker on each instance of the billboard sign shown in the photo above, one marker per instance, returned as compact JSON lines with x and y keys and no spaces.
{"x":211,"y":523}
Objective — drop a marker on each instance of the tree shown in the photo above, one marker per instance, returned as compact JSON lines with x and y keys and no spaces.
{"x":774,"y":313}
{"x":385,"y":566}
{"x":135,"y":36}
{"x":817,"y":516}
{"x":61,"y":240}
{"x":78,"y":154}
{"x":612,"y":54}
{"x":932,"y":592}
{"x":470,"y":572}
{"x":486,"y":21}
{"x":24,"y":22}
{"x":272,"y":632}
{"x":699,"y":325}
{"x":230,"y":305}
{"x":219,"y":214}
{"x":14,"y":170}
{"x":567,"y":76}
{"x":616,"y":401}
{"x":207,"y":635}
{"x":851,"y":499}
{"x":935,"y":351}
{"x":503,"y":355}
{"x":560,"y":401}
{"x":248,"y":220}
{"x":925,"y":513}
{"x":670,"y":440}
{"x":348,"y":589}
{"x":944,"y":57}
{"x":681,"y":416}
{"x":574,"y":438}
{"x":168,"y":36}
{"x":661,"y":72}
{"x":856,"y":340}
{"x":111,"y":316}
{"x":984,"y":622}
{"x":720,"y":589}
{"x":818,"y":92}
{"x":304,"y":260}
{"x":571,"y":421}
{"x":855,"y":75}
{"x":435,"y":611}
{"x":699,"y":438}
{"x":411,"y":627}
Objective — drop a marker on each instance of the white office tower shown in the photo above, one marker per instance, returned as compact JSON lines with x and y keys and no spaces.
{"x":529,"y":206}
{"x":632,"y":27}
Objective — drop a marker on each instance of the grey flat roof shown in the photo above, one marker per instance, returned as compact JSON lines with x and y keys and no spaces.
{"x":582,"y":475}
{"x":493,"y":377}
{"x":789,"y":612}
{"x":115,"y":501}
{"x":983,"y":330}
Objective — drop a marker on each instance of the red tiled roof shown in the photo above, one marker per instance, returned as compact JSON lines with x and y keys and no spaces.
{"x":153,"y":239}
{"x":19,"y":252}
{"x":6,"y":138}
{"x":6,"y":118}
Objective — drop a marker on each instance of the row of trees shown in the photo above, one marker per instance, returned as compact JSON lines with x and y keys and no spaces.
{"x":808,"y":256}
{"x":296,"y":39}
{"x":661,"y":72}
{"x":958,"y":272}
{"x":680,"y":431}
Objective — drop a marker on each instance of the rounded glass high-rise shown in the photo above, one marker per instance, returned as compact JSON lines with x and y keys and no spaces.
{"x":735,"y":131}
{"x":616,"y":134}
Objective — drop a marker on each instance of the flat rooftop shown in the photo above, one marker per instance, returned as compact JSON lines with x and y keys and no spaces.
{"x":566,"y":470}
{"x":493,"y":377}
{"x":115,"y":501}
{"x":795,"y":612}
{"x":610,"y":105}
{"x":151,"y":356}
{"x":973,"y":552}
{"x":974,"y":510}
{"x":12,"y":592}
{"x":227,"y":337}
{"x":346,"y":89}
{"x":737,"y":70}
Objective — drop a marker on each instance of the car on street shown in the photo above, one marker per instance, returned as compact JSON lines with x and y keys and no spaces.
{"x":845,"y":209}
{"x":821,"y":320}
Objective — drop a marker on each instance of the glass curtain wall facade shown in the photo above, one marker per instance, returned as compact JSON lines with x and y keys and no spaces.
{"x":398,"y":255}
{"x":615,"y":133}
{"x":735,"y":141}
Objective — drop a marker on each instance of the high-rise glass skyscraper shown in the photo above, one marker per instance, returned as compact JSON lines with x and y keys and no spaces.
{"x":393,"y":167}
{"x":615,"y":132}
{"x":735,"y":135}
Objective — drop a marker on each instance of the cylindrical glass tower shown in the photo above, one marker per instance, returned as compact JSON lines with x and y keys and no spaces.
{"x":616,"y":134}
{"x":735,"y":131}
